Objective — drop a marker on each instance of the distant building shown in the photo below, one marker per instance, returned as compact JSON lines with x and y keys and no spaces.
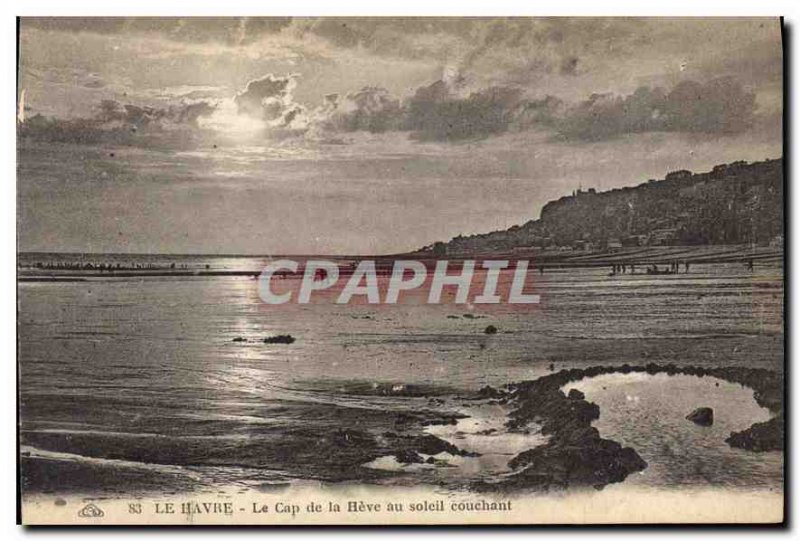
{"x":613,"y":245}
{"x":662,"y":237}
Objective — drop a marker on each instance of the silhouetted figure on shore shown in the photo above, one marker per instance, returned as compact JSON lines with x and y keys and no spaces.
{"x":686,"y":267}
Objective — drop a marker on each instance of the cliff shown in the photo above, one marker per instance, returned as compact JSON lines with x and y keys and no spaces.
{"x":737,"y":203}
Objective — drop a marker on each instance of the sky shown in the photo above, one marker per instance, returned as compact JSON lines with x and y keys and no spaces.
{"x":366,"y":135}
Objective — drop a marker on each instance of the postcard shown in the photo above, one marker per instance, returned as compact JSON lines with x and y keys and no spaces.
{"x":400,"y":270}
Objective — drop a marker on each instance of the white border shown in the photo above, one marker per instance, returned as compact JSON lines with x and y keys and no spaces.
{"x":790,"y":9}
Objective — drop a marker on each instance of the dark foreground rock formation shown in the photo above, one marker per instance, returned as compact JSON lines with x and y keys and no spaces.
{"x":766,"y":436}
{"x":576,"y":455}
{"x":279,"y":339}
{"x":702,"y":416}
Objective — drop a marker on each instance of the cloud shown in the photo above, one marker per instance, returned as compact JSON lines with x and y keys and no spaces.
{"x":720,"y":106}
{"x":259,"y":98}
{"x":442,"y":111}
{"x":435,"y":113}
{"x":270,"y":99}
{"x":117,"y":123}
{"x":371,"y":109}
{"x":445,"y":111}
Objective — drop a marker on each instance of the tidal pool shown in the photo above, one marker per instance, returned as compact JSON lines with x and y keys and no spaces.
{"x":648,"y":412}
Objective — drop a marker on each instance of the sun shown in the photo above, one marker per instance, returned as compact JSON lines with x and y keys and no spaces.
{"x":228,"y":122}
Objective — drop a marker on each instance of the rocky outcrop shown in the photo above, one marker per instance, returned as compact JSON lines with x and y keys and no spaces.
{"x":766,"y":436}
{"x":279,"y":339}
{"x":576,"y":455}
{"x":702,"y":416}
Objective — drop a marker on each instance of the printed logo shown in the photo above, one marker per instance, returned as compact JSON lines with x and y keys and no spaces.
{"x":384,"y":282}
{"x":91,"y":511}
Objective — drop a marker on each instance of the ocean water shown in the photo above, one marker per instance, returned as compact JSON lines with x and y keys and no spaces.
{"x":135,"y":384}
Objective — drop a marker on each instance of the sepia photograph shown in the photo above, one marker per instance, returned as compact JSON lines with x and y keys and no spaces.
{"x":400,"y":270}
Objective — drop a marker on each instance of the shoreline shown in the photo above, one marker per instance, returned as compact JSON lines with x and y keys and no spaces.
{"x":576,"y":454}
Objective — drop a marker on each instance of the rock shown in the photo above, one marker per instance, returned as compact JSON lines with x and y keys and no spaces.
{"x":279,"y":339}
{"x":240,"y":339}
{"x":702,"y":416}
{"x":490,"y":392}
{"x":575,"y":455}
{"x":490,"y":329}
{"x":407,"y":456}
{"x":575,"y":394}
{"x":766,"y":436}
{"x":592,"y":461}
{"x":431,"y":445}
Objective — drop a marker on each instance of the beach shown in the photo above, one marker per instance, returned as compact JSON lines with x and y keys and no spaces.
{"x":139,"y":385}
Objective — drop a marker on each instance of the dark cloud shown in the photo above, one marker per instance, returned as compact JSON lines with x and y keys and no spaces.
{"x":116,"y":123}
{"x":142,"y":116}
{"x":433,"y":113}
{"x":720,"y":106}
{"x":441,"y":111}
{"x":371,"y":109}
{"x":438,"y":112}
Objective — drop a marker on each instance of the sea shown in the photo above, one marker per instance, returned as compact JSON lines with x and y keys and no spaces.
{"x":138,"y":384}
